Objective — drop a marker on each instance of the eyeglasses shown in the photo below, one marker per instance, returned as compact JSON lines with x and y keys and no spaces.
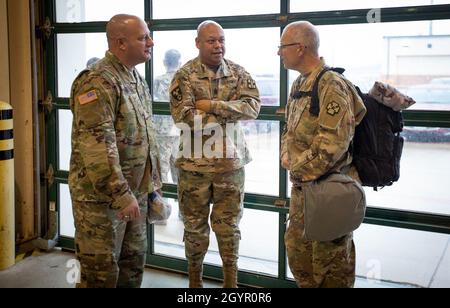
{"x":287,"y":45}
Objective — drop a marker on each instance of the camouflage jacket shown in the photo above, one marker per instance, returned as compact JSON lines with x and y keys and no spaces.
{"x":161,"y":87}
{"x":163,"y":125}
{"x":234,"y":96}
{"x":114,"y":153}
{"x":319,"y":145}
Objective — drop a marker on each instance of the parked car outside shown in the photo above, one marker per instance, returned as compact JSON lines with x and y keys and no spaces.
{"x":426,"y":134}
{"x":434,"y":95}
{"x":269,"y":89}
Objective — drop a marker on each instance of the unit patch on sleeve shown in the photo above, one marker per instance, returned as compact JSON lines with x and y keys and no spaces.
{"x":332,"y":115}
{"x":333,"y":109}
{"x":175,"y":91}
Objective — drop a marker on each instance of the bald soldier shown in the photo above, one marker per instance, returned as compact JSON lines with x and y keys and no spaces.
{"x":313,"y":146}
{"x":114,"y":163}
{"x":216,"y":92}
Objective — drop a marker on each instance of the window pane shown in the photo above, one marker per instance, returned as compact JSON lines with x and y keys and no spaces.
{"x":266,"y":76}
{"x":64,"y":133}
{"x":386,"y":255}
{"x":289,"y":189}
{"x":96,"y":10}
{"x":258,"y":250}
{"x":169,"y":236}
{"x":262,"y":137}
{"x":163,"y":9}
{"x":74,"y":51}
{"x":266,"y":73}
{"x":259,"y":246}
{"x":400,"y":255}
{"x":331,"y":5}
{"x":415,"y":59}
{"x":293,"y":75}
{"x":262,"y":174}
{"x":168,"y":139}
{"x":181,"y":41}
{"x":423,"y":184}
{"x":67,"y":227}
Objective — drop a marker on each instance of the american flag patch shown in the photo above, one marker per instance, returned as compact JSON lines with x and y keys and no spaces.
{"x":87,"y":98}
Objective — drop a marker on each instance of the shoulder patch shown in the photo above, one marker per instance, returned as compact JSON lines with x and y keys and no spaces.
{"x":332,"y":115}
{"x":88,"y":97}
{"x":175,"y":92}
{"x":333,"y":109}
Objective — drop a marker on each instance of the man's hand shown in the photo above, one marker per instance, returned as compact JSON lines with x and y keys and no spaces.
{"x":131,"y":212}
{"x":285,"y":161}
{"x":203,"y":105}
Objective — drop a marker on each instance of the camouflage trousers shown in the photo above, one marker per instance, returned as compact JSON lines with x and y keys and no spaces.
{"x":111,"y":252}
{"x":225,"y":191}
{"x":167,"y":146}
{"x":317,"y":264}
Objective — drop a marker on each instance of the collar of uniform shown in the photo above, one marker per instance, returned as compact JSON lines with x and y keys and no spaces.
{"x":205,"y":72}
{"x":128,"y":75}
{"x":307,"y":81}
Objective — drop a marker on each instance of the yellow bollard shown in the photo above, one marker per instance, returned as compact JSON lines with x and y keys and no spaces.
{"x":7,"y":242}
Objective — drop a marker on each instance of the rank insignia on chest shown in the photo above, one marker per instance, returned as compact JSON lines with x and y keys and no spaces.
{"x":333,"y":109}
{"x":155,"y":177}
{"x":251,"y":84}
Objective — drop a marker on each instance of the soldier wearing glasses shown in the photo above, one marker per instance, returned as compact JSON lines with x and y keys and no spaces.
{"x":312,"y":147}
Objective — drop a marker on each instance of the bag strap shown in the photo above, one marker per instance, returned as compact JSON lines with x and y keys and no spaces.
{"x":314,"y":94}
{"x":345,"y":170}
{"x":315,"y":104}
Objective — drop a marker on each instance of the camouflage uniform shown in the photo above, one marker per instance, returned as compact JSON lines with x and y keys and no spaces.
{"x":161,"y":87}
{"x":114,"y":161}
{"x":234,"y":97}
{"x":317,"y":146}
{"x":166,"y":137}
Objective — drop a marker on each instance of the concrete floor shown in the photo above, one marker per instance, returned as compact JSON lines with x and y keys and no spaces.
{"x":53,"y":270}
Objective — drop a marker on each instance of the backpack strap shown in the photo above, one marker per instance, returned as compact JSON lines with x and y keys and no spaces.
{"x":315,"y":104}
{"x":300,"y":94}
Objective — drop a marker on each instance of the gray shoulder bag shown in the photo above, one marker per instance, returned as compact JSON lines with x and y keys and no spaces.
{"x":334,"y":207}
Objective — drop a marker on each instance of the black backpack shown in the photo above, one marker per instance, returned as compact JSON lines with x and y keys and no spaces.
{"x":377,"y":145}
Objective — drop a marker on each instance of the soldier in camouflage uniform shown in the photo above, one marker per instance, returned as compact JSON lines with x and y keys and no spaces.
{"x":114,"y":163}
{"x":172,"y":62}
{"x":90,"y":63}
{"x":167,"y":136}
{"x":220,"y":92}
{"x":312,"y":147}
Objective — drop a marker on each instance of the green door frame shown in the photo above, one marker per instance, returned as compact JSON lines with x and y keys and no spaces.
{"x":376,"y":216}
